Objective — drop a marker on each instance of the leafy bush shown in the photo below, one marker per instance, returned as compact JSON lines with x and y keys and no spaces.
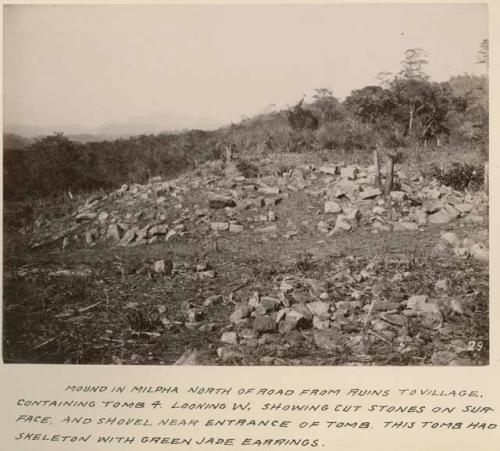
{"x":248,"y":169}
{"x":301,"y":119}
{"x":460,"y":176}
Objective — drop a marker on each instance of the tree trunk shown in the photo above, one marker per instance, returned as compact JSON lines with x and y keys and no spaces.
{"x":410,"y":123}
{"x":486,"y":177}
{"x":389,"y":174}
{"x":376,"y":164}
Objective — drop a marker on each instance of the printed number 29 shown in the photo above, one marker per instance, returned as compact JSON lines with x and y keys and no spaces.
{"x":475,"y":345}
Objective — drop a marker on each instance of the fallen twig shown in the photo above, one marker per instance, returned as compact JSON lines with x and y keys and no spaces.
{"x":41,"y":345}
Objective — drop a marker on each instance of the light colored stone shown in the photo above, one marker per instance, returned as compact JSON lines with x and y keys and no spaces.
{"x":320,"y":309}
{"x":450,"y":239}
{"x":480,"y":252}
{"x":329,"y":169}
{"x":219,"y":226}
{"x":323,"y":227}
{"x":236,"y":228}
{"x":415,"y":302}
{"x":229,"y":338}
{"x":330,"y":340}
{"x":369,"y":193}
{"x":332,"y":207}
{"x":349,"y":172}
{"x":398,"y":196}
{"x":241,"y":311}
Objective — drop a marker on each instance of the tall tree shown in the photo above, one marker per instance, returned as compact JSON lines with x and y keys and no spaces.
{"x":327,"y":104}
{"x":412,"y":65}
{"x":484,"y":52}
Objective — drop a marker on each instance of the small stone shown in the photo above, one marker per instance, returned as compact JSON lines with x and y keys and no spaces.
{"x":128,"y":237}
{"x":399,"y":226}
{"x":264,"y":324}
{"x":272,"y":201}
{"x":241,"y":311}
{"x":171,"y":233}
{"x":286,"y":286}
{"x":159,"y":266}
{"x":219,"y":226}
{"x":480,"y":252}
{"x":236,"y":228}
{"x":457,"y":306}
{"x":442,"y":358}
{"x":431,"y":315}
{"x":229,"y":338}
{"x":212,"y":300}
{"x":103,"y":215}
{"x":65,"y":242}
{"x":291,"y":321}
{"x":323,"y":227}
{"x":370,"y":193}
{"x":90,"y":236}
{"x":218,"y":201}
{"x":329,"y":340}
{"x":450,"y":239}
{"x":272,"y":190}
{"x":332,"y":207}
{"x":441,"y":285}
{"x":229,"y":355}
{"x":268,"y":229}
{"x":271,"y":216}
{"x":320,"y":309}
{"x":85,"y":216}
{"x":440,"y":217}
{"x":349,"y":172}
{"x":329,"y":169}
{"x":321,"y":324}
{"x":415,"y":302}
{"x":300,"y":296}
{"x":342,"y":224}
{"x":189,"y":357}
{"x":268,"y":304}
{"x":398,"y":196}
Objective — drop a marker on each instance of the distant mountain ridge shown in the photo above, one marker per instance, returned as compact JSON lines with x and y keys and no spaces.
{"x":153,"y":123}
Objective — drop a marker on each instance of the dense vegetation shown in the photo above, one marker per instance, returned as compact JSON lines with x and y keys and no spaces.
{"x":406,"y":111}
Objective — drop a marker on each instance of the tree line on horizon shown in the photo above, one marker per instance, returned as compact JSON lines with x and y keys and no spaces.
{"x":405,"y":111}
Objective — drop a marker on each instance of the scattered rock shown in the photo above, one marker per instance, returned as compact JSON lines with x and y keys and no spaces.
{"x":349,"y":172}
{"x":230,"y":338}
{"x":480,"y":252}
{"x":329,"y":169}
{"x":189,"y":357}
{"x":332,"y":207}
{"x":218,"y":201}
{"x":330,"y":340}
{"x":264,"y":324}
{"x":450,"y":239}
{"x":320,"y":309}
{"x":219,"y":226}
{"x":241,"y":311}
{"x":370,"y":193}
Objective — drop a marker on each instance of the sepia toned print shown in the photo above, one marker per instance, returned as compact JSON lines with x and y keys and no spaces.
{"x":194,"y":185}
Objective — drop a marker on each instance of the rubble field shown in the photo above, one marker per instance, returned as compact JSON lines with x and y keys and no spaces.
{"x":303,"y":263}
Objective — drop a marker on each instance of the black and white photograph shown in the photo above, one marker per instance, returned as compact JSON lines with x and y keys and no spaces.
{"x":246,"y":184}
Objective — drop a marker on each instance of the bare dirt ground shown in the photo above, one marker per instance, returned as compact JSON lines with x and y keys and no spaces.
{"x":280,"y":289}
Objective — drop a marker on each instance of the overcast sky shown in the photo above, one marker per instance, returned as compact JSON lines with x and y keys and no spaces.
{"x":88,"y":65}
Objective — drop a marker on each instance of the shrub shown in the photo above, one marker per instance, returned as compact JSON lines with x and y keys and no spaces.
{"x":301,"y":119}
{"x":460,"y":176}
